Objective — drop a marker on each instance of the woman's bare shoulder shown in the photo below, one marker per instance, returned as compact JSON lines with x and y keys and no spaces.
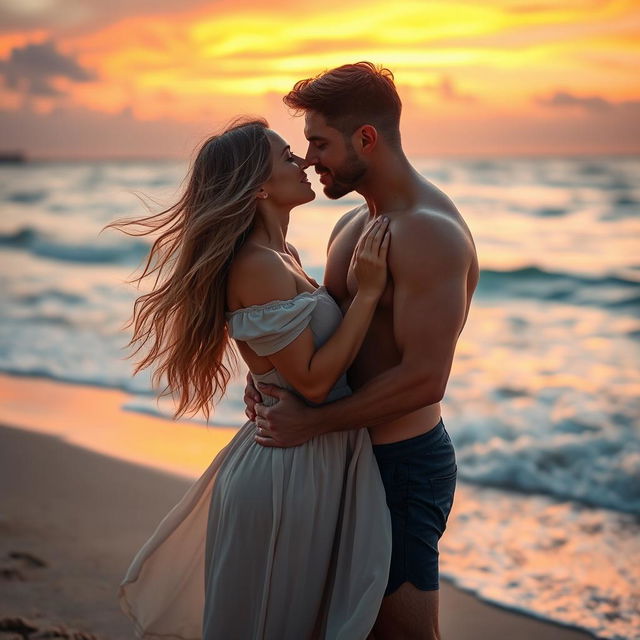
{"x":258,"y":275}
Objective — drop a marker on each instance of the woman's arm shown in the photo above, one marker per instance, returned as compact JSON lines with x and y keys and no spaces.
{"x":314,"y":372}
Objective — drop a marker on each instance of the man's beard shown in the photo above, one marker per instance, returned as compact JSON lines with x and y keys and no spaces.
{"x":345,"y":179}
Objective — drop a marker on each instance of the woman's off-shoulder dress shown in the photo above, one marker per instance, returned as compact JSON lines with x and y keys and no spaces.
{"x":271,"y":543}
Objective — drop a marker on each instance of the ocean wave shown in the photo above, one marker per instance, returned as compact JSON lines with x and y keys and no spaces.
{"x":550,"y":212}
{"x":532,"y":272}
{"x":615,"y":292}
{"x":41,"y":244}
{"x":578,"y":463}
{"x":27,"y":197}
{"x":527,"y":281}
{"x":48,"y":295}
{"x":554,"y":560}
{"x":138,"y":385}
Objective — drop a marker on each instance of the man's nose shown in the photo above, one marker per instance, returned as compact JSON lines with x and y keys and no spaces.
{"x":310,"y":158}
{"x":301,"y":162}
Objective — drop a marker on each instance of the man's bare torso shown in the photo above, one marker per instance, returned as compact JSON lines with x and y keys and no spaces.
{"x":379,"y":351}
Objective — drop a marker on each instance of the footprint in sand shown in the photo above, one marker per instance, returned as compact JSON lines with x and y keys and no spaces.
{"x":62,"y":632}
{"x":27,"y":558}
{"x":26,"y":630}
{"x":19,"y":625}
{"x":9,"y":573}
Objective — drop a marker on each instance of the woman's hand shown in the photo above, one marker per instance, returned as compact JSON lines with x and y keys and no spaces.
{"x":370,"y":258}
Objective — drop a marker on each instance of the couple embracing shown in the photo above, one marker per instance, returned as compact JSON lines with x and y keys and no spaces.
{"x":321,"y":518}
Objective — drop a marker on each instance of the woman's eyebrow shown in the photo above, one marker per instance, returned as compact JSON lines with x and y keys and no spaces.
{"x":287,"y":147}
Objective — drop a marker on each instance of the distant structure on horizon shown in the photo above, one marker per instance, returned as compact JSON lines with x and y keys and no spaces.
{"x":12,"y":157}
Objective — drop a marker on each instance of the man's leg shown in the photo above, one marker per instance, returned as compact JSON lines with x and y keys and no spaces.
{"x":408,"y":614}
{"x":419,"y":477}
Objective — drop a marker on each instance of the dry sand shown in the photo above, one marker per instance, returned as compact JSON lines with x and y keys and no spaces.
{"x":85,"y":514}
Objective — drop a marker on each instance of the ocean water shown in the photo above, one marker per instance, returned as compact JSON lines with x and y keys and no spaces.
{"x":543,"y":403}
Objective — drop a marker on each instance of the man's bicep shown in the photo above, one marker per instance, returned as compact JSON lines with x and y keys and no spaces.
{"x":427,"y":321}
{"x":429,"y":310}
{"x":430,"y":285}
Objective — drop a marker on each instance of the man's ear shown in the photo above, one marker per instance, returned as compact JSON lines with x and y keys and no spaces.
{"x":367,"y":138}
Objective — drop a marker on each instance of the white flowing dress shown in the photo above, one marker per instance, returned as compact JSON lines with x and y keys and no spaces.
{"x":270,"y":543}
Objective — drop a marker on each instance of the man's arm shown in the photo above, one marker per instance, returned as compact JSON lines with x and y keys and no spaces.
{"x":429,"y":260}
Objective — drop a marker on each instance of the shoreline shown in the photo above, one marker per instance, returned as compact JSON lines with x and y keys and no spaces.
{"x":93,"y":418}
{"x":85,"y":510}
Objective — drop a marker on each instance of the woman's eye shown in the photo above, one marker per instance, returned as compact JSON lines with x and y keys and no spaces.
{"x":291,"y":158}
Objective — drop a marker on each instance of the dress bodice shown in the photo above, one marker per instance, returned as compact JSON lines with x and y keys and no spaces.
{"x":268,"y":328}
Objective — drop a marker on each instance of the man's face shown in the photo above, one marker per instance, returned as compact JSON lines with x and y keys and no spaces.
{"x":334,"y":158}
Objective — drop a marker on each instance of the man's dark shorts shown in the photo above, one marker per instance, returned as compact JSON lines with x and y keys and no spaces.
{"x":419,"y":477}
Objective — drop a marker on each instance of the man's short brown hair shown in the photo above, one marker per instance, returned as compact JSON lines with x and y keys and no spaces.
{"x":350,"y":96}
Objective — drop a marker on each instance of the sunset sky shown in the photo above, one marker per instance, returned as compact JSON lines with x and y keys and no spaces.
{"x":84,"y":78}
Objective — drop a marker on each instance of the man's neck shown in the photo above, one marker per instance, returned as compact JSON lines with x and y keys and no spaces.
{"x":391,"y":184}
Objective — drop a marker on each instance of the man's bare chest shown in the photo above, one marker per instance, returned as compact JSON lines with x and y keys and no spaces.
{"x":340,"y":278}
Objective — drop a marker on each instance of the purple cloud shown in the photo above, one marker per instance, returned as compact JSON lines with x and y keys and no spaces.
{"x":565,"y":99}
{"x":446,"y":90}
{"x":32,"y":67}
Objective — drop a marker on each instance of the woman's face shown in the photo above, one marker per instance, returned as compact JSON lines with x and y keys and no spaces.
{"x":288,"y":185}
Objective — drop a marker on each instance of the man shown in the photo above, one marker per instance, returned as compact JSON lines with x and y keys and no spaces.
{"x":352,"y":117}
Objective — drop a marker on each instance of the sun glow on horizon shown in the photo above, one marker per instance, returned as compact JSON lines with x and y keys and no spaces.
{"x":459,"y":59}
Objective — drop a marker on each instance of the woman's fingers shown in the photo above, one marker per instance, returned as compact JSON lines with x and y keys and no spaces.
{"x":376,"y":237}
{"x":384,"y":245}
{"x":362,"y":242}
{"x":370,"y":265}
{"x":371,"y":233}
{"x":381,"y":232}
{"x":370,"y":244}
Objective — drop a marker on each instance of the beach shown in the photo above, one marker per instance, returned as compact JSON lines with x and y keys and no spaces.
{"x":542,"y":403}
{"x":85,"y":514}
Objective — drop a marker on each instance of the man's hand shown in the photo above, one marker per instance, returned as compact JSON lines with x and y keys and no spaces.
{"x":288,"y":423}
{"x":251,"y":398}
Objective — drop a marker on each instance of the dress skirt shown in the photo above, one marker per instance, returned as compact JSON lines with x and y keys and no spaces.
{"x":269,"y":544}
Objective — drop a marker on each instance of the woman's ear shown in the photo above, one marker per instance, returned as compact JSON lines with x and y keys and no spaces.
{"x":262,"y":194}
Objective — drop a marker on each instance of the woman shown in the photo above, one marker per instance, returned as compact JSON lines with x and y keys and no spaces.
{"x":268,"y":543}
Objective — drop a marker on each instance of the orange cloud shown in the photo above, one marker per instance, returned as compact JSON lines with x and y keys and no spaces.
{"x":212,"y":61}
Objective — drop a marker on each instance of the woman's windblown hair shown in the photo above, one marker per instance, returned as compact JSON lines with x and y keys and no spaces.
{"x":184,"y":315}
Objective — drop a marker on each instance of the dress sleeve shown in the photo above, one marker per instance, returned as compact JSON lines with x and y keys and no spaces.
{"x":270,"y":327}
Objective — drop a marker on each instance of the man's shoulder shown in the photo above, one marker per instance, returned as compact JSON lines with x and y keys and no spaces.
{"x":344,"y":220}
{"x":425,"y":224}
{"x":430,"y":236}
{"x":360,"y":210}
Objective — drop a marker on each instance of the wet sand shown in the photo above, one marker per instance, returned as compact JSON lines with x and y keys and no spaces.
{"x":71,"y":519}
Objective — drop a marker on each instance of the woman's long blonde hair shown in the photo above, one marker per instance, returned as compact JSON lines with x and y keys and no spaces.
{"x":184,"y":317}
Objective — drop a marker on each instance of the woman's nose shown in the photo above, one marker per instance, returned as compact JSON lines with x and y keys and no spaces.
{"x":301,"y":162}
